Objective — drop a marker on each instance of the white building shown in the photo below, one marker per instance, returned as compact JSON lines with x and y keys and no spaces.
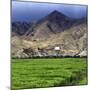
{"x":57,"y":48}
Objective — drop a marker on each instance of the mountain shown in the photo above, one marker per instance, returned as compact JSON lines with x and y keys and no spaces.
{"x":56,"y":17}
{"x":20,"y":28}
{"x":53,"y":23}
{"x":54,"y":30}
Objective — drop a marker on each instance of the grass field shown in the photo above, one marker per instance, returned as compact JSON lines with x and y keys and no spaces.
{"x":35,"y":73}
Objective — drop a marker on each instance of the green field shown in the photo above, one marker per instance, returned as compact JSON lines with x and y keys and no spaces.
{"x":35,"y":73}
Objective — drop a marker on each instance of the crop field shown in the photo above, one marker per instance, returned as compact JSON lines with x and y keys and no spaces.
{"x":55,"y":72}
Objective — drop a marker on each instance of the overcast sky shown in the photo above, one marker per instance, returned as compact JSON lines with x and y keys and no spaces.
{"x":31,"y":11}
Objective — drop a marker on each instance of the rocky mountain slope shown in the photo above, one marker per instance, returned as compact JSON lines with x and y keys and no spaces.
{"x":53,"y":23}
{"x":54,"y":30}
{"x":20,"y":28}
